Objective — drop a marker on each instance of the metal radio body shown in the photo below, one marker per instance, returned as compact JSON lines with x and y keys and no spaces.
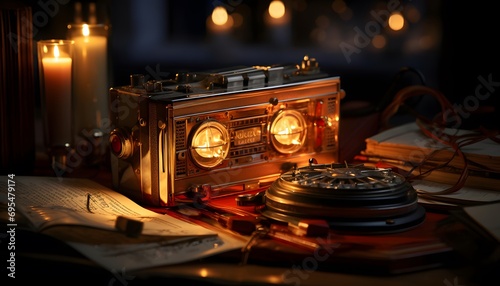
{"x":230,"y":130}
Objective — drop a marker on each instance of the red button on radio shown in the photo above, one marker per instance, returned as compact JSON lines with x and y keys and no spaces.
{"x":120,"y":143}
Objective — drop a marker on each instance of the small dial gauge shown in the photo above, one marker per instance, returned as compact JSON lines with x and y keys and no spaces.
{"x":209,"y":144}
{"x":288,"y":131}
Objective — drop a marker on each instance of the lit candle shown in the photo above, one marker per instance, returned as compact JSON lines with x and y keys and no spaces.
{"x":90,"y":77}
{"x":57,"y":91}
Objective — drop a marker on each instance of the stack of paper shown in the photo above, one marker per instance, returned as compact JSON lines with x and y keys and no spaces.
{"x":413,"y":153}
{"x":407,"y":143}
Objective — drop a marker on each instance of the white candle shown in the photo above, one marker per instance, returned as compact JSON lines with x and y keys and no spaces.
{"x":90,"y":80}
{"x":57,"y":91}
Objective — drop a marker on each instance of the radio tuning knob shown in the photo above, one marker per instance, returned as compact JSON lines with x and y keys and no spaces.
{"x":273,"y":101}
{"x":309,"y":65}
{"x":184,"y":88}
{"x":153,"y":86}
{"x":313,"y":161}
{"x":136,"y":80}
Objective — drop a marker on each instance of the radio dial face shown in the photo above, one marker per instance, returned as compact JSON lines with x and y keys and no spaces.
{"x":209,"y":144}
{"x":288,"y":131}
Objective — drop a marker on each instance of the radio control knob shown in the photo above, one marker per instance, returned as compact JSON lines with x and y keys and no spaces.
{"x":136,"y":80}
{"x":184,"y":88}
{"x":120,"y":143}
{"x":274,"y":101}
{"x":309,"y":65}
{"x":153,"y":86}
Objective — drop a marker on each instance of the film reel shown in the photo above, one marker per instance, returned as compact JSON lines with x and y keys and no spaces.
{"x":351,"y":198}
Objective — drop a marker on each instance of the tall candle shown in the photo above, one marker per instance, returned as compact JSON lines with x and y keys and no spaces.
{"x":90,"y":78}
{"x":57,"y":91}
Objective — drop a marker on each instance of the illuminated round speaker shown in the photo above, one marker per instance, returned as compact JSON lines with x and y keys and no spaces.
{"x":288,"y":131}
{"x":209,"y":144}
{"x":350,"y":198}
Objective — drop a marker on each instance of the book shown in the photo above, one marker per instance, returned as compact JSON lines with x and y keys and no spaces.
{"x":407,"y":143}
{"x":476,"y":190}
{"x":104,"y":225}
{"x":449,"y":176}
{"x":465,"y":196}
{"x":434,"y":168}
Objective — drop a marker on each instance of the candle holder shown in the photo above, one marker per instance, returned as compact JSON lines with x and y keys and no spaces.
{"x":55,"y":69}
{"x":90,"y":91}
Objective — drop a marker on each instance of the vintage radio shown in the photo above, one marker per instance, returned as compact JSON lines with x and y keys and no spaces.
{"x":221,"y":131}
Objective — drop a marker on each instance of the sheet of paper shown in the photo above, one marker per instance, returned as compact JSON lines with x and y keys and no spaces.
{"x":487,"y":217}
{"x":409,"y":144}
{"x":48,"y":201}
{"x":464,"y":194}
{"x":121,"y":259}
{"x":409,"y":135}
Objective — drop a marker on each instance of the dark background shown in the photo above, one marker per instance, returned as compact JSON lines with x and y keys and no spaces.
{"x":448,"y":46}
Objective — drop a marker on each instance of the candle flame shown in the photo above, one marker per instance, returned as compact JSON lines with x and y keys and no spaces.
{"x":85,"y":30}
{"x":56,"y":51}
